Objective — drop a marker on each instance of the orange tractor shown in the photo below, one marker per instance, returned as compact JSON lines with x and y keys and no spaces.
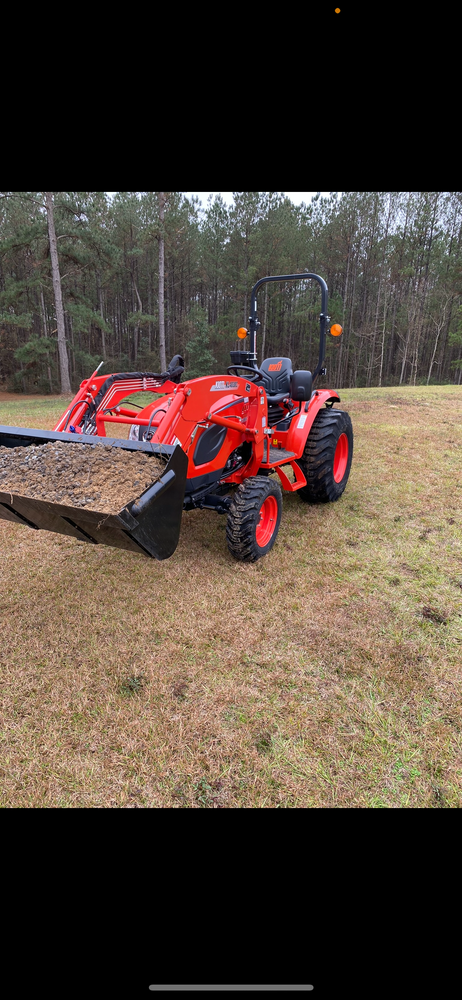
{"x":220,"y":438}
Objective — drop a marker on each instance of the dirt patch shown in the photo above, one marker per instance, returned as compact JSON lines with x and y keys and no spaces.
{"x":79,"y":475}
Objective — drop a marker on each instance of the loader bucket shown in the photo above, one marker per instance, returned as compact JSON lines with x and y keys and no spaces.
{"x":148,"y":524}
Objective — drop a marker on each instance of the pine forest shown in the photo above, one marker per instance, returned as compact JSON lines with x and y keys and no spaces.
{"x":133,"y":279}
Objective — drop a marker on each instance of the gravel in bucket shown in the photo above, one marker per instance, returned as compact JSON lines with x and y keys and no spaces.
{"x":79,"y":475}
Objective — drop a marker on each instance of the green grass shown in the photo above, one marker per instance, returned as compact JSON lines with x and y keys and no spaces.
{"x":326,"y":675}
{"x":32,"y":411}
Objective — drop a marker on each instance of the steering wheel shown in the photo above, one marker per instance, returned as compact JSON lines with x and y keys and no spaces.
{"x":233,"y":370}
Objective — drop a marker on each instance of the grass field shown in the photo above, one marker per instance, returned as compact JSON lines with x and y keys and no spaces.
{"x":326,"y":675}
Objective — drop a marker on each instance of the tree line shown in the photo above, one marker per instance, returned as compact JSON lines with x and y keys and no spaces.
{"x":134,"y":280}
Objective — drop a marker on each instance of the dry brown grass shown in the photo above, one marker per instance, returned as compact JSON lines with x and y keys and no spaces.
{"x":327,"y":674}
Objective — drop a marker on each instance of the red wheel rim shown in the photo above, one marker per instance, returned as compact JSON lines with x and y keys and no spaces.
{"x":340,"y":458}
{"x":268,"y":516}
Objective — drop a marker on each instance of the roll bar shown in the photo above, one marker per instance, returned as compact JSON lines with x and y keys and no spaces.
{"x":323,"y":318}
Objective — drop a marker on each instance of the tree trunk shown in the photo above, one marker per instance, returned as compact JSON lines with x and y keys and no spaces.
{"x":403,"y":364}
{"x":412,"y":311}
{"x":136,"y":333}
{"x":439,"y":324}
{"x":44,"y":317}
{"x":265,"y":319}
{"x":439,"y":328}
{"x":62,"y":350}
{"x":163,"y":360}
{"x":383,"y":336}
{"x":149,"y":311}
{"x":101,"y":310}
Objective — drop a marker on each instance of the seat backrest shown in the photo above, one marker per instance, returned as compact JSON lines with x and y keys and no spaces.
{"x":276,"y":375}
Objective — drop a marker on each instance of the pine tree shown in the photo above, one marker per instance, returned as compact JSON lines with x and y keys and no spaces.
{"x":199,"y":358}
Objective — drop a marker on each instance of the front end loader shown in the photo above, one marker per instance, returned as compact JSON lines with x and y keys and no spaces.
{"x":217,"y":441}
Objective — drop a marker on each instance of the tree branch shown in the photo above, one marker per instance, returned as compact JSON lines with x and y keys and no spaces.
{"x":22,"y":197}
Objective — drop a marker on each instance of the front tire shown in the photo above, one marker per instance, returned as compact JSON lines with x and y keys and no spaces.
{"x":254,"y":518}
{"x":326,"y":461}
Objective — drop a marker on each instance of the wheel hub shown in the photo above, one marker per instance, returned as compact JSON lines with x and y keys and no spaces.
{"x":341,"y":458}
{"x":268,"y":514}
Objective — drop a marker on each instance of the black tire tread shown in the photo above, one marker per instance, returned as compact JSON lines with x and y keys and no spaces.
{"x":318,"y":457}
{"x":242,"y":518}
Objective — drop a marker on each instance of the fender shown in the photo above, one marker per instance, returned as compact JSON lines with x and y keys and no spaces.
{"x":302,"y":423}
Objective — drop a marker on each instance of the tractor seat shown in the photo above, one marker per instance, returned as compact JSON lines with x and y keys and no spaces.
{"x":276,"y":374}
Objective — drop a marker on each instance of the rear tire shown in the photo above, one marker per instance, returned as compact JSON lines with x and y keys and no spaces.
{"x":253,"y":519}
{"x":326,"y":461}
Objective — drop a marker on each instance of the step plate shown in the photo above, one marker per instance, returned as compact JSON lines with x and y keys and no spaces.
{"x":278,"y":456}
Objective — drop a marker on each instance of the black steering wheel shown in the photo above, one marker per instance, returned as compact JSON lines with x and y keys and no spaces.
{"x":234,"y":369}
